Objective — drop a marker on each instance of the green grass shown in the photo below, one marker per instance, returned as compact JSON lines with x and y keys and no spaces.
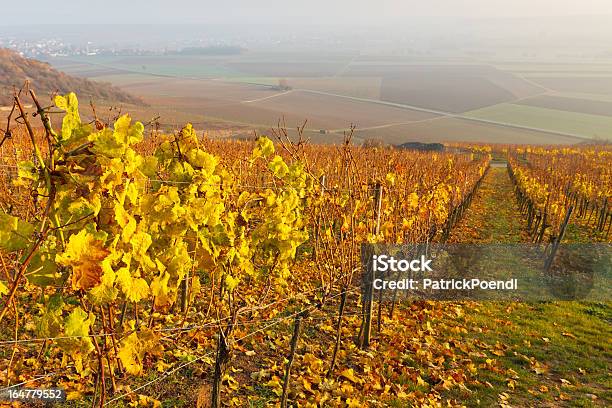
{"x":580,"y":124}
{"x":576,"y":233}
{"x":263,"y":397}
{"x":493,"y":216}
{"x":569,"y":340}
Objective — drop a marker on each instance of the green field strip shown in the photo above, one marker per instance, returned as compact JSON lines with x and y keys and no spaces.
{"x":569,"y":74}
{"x":254,"y":80}
{"x":127,"y":80}
{"x":196,"y":70}
{"x":583,"y":95}
{"x":569,"y":67}
{"x":586,"y":125}
{"x":568,"y":104}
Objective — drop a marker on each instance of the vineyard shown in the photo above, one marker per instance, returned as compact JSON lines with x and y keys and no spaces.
{"x":145,"y":269}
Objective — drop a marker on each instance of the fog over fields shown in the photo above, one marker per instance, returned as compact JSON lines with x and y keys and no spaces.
{"x":270,"y":11}
{"x":397,"y":71}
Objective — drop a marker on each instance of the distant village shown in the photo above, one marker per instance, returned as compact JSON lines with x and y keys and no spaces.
{"x":48,"y":48}
{"x":55,"y":47}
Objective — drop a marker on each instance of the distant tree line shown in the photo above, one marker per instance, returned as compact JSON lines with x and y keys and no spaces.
{"x":426,"y":147}
{"x":212,"y":50}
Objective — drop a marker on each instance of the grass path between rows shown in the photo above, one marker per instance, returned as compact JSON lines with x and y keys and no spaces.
{"x":493,"y":215}
{"x":557,"y":353}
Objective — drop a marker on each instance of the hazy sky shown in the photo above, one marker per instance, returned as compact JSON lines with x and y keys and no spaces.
{"x":284,"y":11}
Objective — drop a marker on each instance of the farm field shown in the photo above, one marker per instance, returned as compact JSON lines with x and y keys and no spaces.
{"x":360,"y":87}
{"x":381,"y":97}
{"x":288,"y":69}
{"x":451,"y":88}
{"x":438,"y":93}
{"x":367,"y":114}
{"x":257,"y":65}
{"x":215,"y":92}
{"x":169,"y":66}
{"x":580,"y":124}
{"x":457,"y":129}
{"x":593,"y":84}
{"x":569,"y":104}
{"x":266,"y":114}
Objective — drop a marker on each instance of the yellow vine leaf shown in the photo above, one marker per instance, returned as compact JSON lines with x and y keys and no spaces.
{"x":84,"y":254}
{"x":42,"y":270}
{"x":72,"y":120}
{"x":77,"y":343}
{"x":349,"y":374}
{"x":126,"y":132}
{"x":231,"y":282}
{"x":133,"y":348}
{"x":265,"y":148}
{"x":105,"y":292}
{"x":14,"y":233}
{"x":3,"y":289}
{"x":205,"y":161}
{"x":160,"y":289}
{"x":353,"y":403}
{"x":128,"y":354}
{"x":196,"y":287}
{"x":135,"y":289}
{"x":126,"y":222}
{"x":278,"y":167}
{"x":50,"y":323}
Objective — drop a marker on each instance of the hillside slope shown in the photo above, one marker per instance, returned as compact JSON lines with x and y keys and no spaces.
{"x":15,"y":70}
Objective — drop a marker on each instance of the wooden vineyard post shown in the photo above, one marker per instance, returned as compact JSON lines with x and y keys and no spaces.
{"x":602,"y":218}
{"x":393,"y":301}
{"x":185,"y":284}
{"x":539,"y":237}
{"x":378,"y":318}
{"x":338,"y":331}
{"x":221,"y":360}
{"x":555,"y":247}
{"x":377,"y":207}
{"x":315,"y":245}
{"x":294,"y":340}
{"x":185,"y":292}
{"x":368,"y":303}
{"x":366,"y":255}
{"x":366,"y":325}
